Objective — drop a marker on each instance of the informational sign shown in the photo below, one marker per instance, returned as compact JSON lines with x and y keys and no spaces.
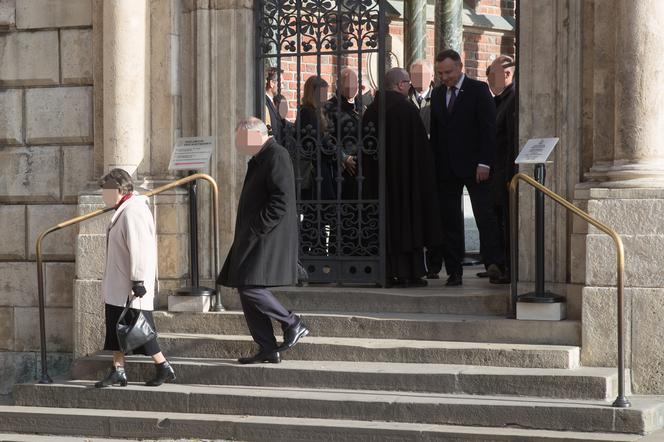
{"x":536,"y":151}
{"x":191,"y":153}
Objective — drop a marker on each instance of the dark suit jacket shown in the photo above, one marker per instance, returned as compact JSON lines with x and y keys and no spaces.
{"x":466,"y":137}
{"x":264,"y":250}
{"x":274,"y":121}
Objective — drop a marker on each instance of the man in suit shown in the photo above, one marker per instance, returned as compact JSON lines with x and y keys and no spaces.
{"x":273,"y":120}
{"x":501,"y":82}
{"x":421,"y":75}
{"x":463,"y":137}
{"x":264,"y":249}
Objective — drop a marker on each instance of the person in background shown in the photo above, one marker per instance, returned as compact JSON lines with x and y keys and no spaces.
{"x":501,"y":82}
{"x":421,"y":75}
{"x":463,"y":137}
{"x":129,"y":274}
{"x":411,"y":204}
{"x":273,"y":120}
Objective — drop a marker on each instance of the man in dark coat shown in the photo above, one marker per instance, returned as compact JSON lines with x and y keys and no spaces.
{"x":275,"y":122}
{"x":264,"y":250}
{"x":463,"y":138}
{"x":501,"y":83}
{"x":411,"y":209}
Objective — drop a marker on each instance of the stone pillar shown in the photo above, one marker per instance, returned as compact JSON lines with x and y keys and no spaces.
{"x":603,"y":79}
{"x":415,"y":12}
{"x":125,"y":83}
{"x":639,"y":151}
{"x":449,"y":25}
{"x":629,"y":194}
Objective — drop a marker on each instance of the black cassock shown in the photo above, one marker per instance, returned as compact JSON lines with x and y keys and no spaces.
{"x":411,"y":194}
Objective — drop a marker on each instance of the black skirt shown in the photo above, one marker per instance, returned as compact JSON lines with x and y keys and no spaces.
{"x":113,"y":313}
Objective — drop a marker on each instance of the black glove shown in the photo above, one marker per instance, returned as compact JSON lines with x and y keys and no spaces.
{"x":138,"y":288}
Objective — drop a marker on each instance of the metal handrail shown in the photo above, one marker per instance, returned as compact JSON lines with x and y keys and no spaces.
{"x":621,"y":401}
{"x":45,"y":378}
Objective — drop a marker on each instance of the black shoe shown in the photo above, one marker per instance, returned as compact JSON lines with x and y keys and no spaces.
{"x":454,"y":279}
{"x":165,"y":373}
{"x":494,"y":271}
{"x":117,"y":375}
{"x":482,"y":274}
{"x":418,"y":282}
{"x":293,"y":334}
{"x":273,"y":357}
{"x":433,"y":275}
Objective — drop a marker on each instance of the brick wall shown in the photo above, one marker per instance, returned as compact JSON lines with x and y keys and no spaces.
{"x":46,"y":156}
{"x":480,"y":47}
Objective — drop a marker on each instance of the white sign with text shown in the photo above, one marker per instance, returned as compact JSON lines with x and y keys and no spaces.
{"x":536,"y":151}
{"x":192,"y":153}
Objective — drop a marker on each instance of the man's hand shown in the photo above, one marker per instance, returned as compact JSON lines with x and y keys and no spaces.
{"x":350,"y":165}
{"x":482,"y":174}
{"x":138,"y":288}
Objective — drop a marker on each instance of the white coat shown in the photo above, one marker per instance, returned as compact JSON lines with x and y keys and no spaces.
{"x":131,"y":254}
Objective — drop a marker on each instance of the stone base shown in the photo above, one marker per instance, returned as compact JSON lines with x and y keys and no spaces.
{"x":532,"y":311}
{"x":178,"y":303}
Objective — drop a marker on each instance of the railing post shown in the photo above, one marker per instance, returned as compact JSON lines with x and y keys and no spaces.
{"x":621,"y":401}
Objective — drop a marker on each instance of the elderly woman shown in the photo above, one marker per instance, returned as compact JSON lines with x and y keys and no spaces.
{"x":129,"y":276}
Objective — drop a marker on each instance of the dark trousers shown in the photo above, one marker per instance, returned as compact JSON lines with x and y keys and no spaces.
{"x":450,"y":192}
{"x":260,"y":306}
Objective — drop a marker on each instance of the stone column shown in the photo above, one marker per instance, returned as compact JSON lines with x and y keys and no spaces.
{"x":125,"y":83}
{"x":449,"y":25}
{"x":603,"y":79}
{"x":415,"y":12}
{"x":639,"y":151}
{"x":629,"y":196}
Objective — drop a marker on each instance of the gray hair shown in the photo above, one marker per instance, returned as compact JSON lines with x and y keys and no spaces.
{"x":252,"y":123}
{"x":395,"y":76}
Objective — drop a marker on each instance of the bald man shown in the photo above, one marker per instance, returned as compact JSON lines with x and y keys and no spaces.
{"x":412,"y":214}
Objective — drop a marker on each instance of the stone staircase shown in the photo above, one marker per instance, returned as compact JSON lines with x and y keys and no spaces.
{"x":434,"y":364}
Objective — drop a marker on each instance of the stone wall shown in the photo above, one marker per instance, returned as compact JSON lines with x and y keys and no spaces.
{"x":46,"y":157}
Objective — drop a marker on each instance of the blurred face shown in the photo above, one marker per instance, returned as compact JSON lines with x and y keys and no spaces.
{"x":499,"y":77}
{"x":111,"y":197}
{"x":421,"y":75}
{"x":283,"y":108}
{"x":249,"y":142}
{"x":349,"y":84}
{"x":449,"y":72}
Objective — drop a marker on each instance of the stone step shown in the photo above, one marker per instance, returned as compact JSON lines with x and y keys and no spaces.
{"x":477,"y":299}
{"x":581,"y":383}
{"x":140,"y":424}
{"x":645,"y":415}
{"x":314,"y":348}
{"x":444,"y":327}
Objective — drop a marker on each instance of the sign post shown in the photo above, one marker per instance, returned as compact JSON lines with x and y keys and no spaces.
{"x":537,"y":151}
{"x":193,"y":154}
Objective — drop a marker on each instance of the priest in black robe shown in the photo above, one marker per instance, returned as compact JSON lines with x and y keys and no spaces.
{"x":411,"y":202}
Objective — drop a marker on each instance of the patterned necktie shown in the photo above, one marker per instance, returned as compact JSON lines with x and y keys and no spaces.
{"x":450,"y":105}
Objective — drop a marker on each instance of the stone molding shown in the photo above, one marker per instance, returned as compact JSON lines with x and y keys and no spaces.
{"x":218,"y":5}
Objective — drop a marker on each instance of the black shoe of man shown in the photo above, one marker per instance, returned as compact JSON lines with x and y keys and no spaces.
{"x":293,"y":334}
{"x":455,"y":279}
{"x":272,"y":357}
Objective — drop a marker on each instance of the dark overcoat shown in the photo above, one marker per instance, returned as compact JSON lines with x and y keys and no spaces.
{"x":411,"y":195}
{"x":264,"y":250}
{"x":506,"y":145}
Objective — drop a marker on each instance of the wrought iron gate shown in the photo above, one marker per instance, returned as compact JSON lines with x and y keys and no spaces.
{"x":302,"y":43}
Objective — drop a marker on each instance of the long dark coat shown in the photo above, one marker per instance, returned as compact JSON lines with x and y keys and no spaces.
{"x":264,"y":250}
{"x":506,"y":145}
{"x":412,"y":204}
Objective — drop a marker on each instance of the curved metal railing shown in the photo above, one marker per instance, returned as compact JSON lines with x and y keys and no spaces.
{"x":45,"y":378}
{"x":621,"y":401}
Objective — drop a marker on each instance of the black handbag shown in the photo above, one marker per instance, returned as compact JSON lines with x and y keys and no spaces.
{"x":136,"y":333}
